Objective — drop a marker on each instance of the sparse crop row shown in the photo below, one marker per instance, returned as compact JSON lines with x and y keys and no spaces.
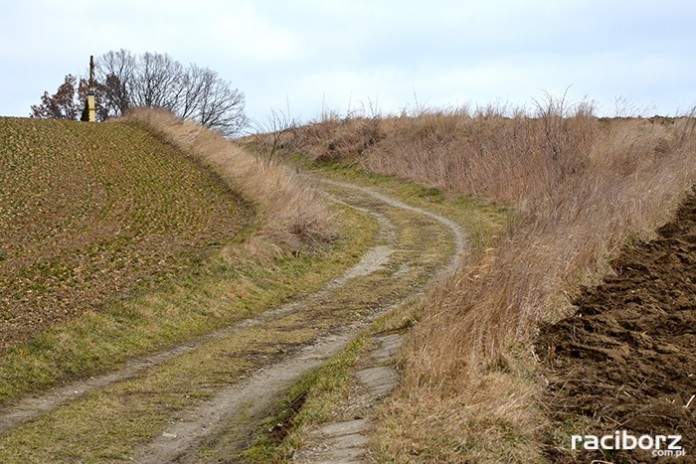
{"x":92,"y":211}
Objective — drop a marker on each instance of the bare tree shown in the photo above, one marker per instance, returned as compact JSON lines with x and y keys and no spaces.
{"x":192,"y":86}
{"x":156,"y":81}
{"x":193,"y":92}
{"x":115,"y":72}
{"x":220,"y":107}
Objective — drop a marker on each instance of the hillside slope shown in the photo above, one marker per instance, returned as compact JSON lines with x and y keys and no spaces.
{"x":578,"y":187}
{"x":91,"y":212}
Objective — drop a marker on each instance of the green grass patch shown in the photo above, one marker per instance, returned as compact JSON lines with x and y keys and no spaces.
{"x":225,"y":292}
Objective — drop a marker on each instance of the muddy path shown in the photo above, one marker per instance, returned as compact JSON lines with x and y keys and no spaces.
{"x":626,"y":360}
{"x":159,"y":408}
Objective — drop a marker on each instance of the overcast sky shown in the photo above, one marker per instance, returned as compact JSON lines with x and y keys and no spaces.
{"x":345,"y":55}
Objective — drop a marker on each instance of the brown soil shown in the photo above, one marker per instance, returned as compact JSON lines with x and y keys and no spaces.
{"x":626,"y":360}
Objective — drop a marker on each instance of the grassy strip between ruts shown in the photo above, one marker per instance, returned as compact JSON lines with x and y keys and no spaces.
{"x":316,"y":399}
{"x":426,"y":247}
{"x":109,"y":423}
{"x":243,"y":280}
{"x":318,"y":396}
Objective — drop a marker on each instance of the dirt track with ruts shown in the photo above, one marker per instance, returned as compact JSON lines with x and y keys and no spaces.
{"x":204,"y":400}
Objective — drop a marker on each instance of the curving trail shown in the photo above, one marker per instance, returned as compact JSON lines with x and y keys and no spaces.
{"x":414,"y":248}
{"x":253,"y":398}
{"x":460,"y":240}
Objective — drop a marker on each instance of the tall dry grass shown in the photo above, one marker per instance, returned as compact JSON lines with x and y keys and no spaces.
{"x":291,"y":213}
{"x":575,"y":209}
{"x":579,"y":187}
{"x":607,"y":181}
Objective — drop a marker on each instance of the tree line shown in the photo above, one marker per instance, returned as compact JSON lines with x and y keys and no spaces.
{"x":124,"y":80}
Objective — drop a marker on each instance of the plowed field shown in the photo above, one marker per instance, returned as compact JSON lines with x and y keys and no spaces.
{"x":627,"y":359}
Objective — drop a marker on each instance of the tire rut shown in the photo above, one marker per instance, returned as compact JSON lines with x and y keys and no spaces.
{"x":237,"y":403}
{"x":249,"y":397}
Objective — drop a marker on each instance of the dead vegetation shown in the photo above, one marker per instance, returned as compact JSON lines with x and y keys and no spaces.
{"x":580,"y":187}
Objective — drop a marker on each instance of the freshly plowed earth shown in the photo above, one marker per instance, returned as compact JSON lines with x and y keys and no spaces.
{"x":627,"y":359}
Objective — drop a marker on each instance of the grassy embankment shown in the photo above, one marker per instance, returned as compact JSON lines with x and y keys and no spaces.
{"x":115,"y":244}
{"x":578,"y":187}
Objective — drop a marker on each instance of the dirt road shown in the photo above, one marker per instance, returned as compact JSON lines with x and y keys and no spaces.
{"x":160,"y":408}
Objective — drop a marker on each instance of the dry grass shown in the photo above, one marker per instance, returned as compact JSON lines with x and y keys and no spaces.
{"x":291,"y":212}
{"x":623,"y":183}
{"x":581,"y":186}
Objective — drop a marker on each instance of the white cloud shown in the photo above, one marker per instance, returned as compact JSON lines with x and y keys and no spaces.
{"x":308,"y":51}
